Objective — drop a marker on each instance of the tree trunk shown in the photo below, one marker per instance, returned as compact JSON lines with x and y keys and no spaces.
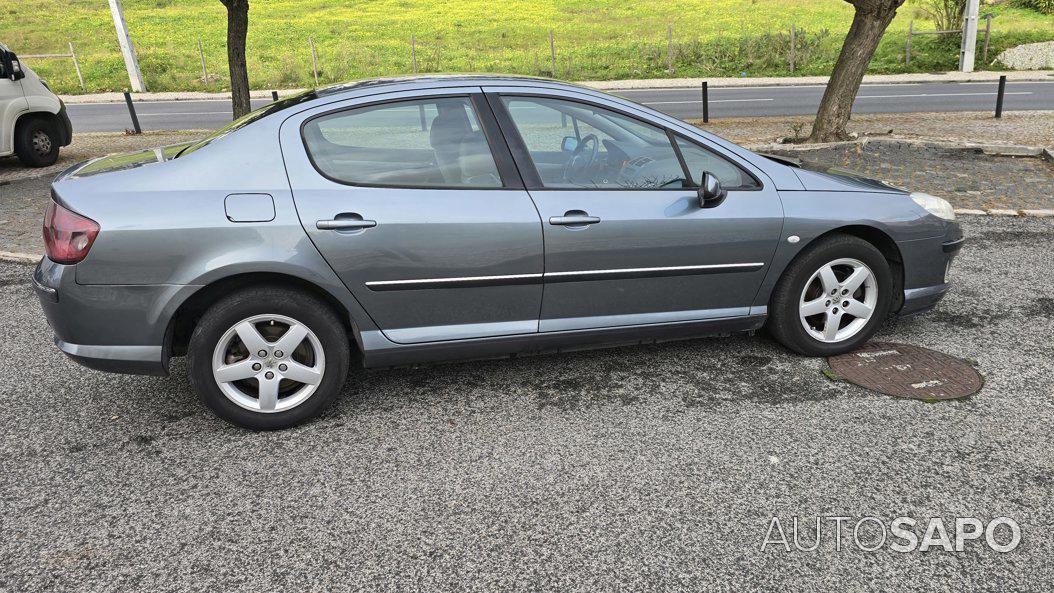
{"x":237,"y":28}
{"x":860,"y":44}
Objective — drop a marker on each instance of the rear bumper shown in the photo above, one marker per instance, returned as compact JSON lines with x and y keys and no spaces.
{"x":119,"y":329}
{"x":134,"y":360}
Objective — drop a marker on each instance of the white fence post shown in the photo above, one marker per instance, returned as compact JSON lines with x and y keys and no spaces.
{"x":77,"y":66}
{"x":314,"y":59}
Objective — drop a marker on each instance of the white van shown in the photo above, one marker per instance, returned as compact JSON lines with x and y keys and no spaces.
{"x":33,"y":121}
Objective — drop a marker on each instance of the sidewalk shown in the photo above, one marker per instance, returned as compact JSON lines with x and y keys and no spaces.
{"x":616,"y":85}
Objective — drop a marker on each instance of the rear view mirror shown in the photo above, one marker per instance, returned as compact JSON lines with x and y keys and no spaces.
{"x":569,"y":144}
{"x":710,"y":191}
{"x":12,"y":67}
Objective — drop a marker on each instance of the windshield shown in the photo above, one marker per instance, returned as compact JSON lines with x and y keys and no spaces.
{"x":249,"y":118}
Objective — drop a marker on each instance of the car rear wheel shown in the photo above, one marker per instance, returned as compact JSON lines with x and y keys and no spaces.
{"x":37,"y":142}
{"x":832,"y":298}
{"x":268,"y":358}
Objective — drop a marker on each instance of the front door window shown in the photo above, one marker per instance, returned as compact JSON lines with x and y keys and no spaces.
{"x":575,"y":145}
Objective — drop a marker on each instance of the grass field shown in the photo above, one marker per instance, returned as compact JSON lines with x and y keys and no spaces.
{"x":594,"y":39}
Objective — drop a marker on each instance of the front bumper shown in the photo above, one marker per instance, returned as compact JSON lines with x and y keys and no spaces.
{"x":66,"y":125}
{"x":927,"y":270}
{"x":114,"y":328}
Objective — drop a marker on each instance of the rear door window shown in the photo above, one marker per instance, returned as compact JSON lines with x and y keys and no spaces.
{"x":433,"y":142}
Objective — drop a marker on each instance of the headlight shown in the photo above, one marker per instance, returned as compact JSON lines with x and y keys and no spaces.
{"x":936,"y":206}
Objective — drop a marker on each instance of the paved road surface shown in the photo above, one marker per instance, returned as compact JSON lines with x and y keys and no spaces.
{"x":683,"y":103}
{"x":634,"y":469}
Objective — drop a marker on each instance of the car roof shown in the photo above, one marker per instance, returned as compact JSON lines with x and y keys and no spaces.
{"x":425,"y":81}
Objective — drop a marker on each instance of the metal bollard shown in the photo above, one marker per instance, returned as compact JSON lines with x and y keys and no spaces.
{"x":706,"y":103}
{"x":999,"y":97}
{"x":131,"y":111}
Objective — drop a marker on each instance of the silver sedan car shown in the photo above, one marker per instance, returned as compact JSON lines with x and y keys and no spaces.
{"x":415,"y":220}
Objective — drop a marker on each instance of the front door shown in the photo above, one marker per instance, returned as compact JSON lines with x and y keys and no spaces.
{"x":12,"y":103}
{"x":626,"y":239}
{"x":416,"y":205}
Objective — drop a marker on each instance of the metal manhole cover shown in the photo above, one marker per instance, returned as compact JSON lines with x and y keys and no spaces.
{"x":907,"y":371}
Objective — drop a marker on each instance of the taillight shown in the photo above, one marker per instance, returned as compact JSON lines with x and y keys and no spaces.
{"x":67,"y":235}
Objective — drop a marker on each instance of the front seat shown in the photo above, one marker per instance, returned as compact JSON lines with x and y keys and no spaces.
{"x":449,"y":128}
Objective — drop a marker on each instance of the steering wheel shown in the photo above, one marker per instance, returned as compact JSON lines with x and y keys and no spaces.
{"x":580,"y":160}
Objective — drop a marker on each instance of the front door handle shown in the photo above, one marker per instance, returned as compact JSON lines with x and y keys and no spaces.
{"x":577,"y":218}
{"x":345,"y":224}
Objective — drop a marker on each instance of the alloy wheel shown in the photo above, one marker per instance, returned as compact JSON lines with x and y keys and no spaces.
{"x":268,"y":363}
{"x":838,"y":300}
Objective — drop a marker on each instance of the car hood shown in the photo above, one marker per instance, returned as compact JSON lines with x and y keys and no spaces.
{"x":834,"y":179}
{"x":816,"y":176}
{"x":123,"y":161}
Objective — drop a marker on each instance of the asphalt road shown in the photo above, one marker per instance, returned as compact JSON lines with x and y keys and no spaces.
{"x":633,"y":469}
{"x":683,"y":103}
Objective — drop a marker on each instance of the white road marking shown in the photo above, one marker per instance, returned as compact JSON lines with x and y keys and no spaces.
{"x":227,"y":113}
{"x":992,"y":94}
{"x":700,"y":101}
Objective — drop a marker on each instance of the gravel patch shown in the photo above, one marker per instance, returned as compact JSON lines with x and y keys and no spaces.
{"x":1029,"y":56}
{"x":631,"y":469}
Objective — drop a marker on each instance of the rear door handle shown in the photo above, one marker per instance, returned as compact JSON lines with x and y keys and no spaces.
{"x":574,"y":218}
{"x":345,"y":224}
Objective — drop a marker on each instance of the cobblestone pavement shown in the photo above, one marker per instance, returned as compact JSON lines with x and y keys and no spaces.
{"x":966,"y":177}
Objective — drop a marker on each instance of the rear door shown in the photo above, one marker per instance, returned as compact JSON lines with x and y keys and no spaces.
{"x":626,"y":240}
{"x":416,"y":204}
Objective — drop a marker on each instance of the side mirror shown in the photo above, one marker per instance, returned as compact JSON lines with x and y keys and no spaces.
{"x":12,"y":67}
{"x":569,"y":144}
{"x":710,"y":191}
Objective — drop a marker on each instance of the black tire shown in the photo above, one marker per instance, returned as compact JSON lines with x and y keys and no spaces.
{"x":298,"y":305}
{"x":37,"y":142}
{"x":784,"y":322}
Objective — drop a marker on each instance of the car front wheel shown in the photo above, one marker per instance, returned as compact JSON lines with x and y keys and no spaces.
{"x":832,"y":298}
{"x":37,"y":142}
{"x":268,"y":358}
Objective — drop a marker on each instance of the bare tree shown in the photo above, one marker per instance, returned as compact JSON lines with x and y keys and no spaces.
{"x":869,"y":24}
{"x":947,"y":15}
{"x":237,"y":28}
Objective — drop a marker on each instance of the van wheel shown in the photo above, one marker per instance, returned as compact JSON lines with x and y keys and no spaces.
{"x":268,"y":358}
{"x":37,"y":142}
{"x":832,"y":298}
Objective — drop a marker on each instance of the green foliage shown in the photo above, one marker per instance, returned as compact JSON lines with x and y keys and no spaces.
{"x":595,"y":39}
{"x":1043,"y":6}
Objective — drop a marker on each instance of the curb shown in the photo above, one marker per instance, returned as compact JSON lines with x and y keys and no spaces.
{"x":1017,"y":150}
{"x":1025,"y":213}
{"x":728,"y":82}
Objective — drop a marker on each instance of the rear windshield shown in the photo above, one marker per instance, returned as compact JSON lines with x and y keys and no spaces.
{"x":251,"y":117}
